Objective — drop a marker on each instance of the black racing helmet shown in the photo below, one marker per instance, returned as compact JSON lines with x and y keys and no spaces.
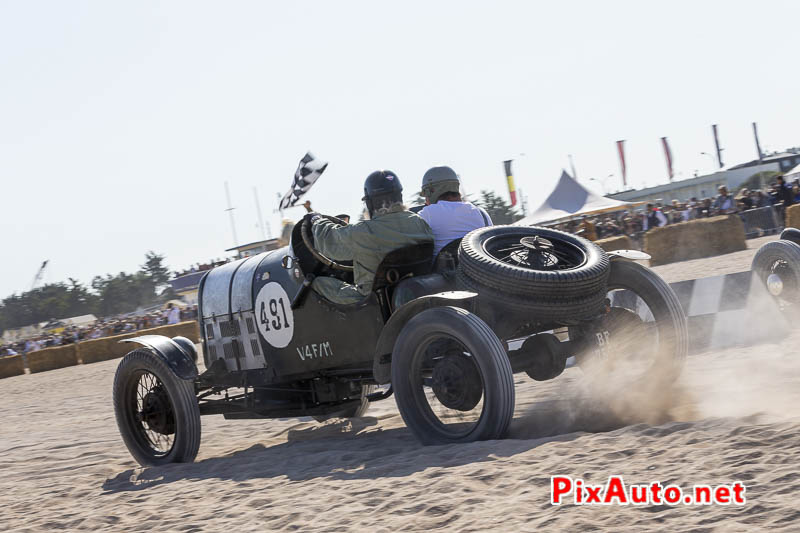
{"x":381,"y":189}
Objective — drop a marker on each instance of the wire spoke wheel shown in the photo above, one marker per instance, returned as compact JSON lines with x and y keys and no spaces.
{"x":535,"y":252}
{"x":157,"y":412}
{"x":154,"y":413}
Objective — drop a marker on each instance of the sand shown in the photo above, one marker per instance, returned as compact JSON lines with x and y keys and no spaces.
{"x":733,"y":415}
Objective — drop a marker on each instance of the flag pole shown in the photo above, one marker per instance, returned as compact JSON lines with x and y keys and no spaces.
{"x":230,"y":213}
{"x":260,"y":217}
{"x":572,"y":166}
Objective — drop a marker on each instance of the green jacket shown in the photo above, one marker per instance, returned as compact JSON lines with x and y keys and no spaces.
{"x":366,"y":244}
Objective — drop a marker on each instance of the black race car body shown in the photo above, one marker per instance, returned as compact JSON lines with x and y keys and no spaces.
{"x":252,"y":322}
{"x":444,"y":335}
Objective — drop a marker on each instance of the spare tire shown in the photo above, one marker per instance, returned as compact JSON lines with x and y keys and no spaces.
{"x":542,"y":263}
{"x":547,"y":274}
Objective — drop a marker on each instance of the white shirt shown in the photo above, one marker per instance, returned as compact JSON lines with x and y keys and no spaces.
{"x":173,"y":316}
{"x":452,"y":220}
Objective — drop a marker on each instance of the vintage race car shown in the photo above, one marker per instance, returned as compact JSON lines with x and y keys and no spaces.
{"x":443,"y":335}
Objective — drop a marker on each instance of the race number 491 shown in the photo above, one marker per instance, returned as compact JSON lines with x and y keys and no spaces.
{"x":274,"y":315}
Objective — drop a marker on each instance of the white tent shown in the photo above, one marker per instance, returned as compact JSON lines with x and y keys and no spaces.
{"x":792,"y":174}
{"x":571,"y":199}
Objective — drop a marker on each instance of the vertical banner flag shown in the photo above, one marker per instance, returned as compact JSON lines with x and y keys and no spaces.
{"x":668,"y":155}
{"x":308,"y":172}
{"x":716,"y":144}
{"x":758,"y":145}
{"x":512,"y":191}
{"x":623,"y":168}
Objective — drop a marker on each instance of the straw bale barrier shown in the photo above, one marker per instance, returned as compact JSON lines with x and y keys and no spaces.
{"x":793,"y":216}
{"x":705,"y":237}
{"x":52,"y":358}
{"x":11,"y":365}
{"x":91,"y":351}
{"x":619,"y":242}
{"x":110,"y":347}
{"x":106,"y":348}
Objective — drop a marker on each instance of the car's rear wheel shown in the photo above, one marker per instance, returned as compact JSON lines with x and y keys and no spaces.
{"x":642,"y":339}
{"x":451,"y":377}
{"x":157,"y":412}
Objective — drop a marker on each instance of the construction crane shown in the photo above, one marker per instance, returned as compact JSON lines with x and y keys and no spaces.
{"x":39,"y":274}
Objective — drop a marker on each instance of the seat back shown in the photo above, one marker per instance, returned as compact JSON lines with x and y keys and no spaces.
{"x":448,"y":256}
{"x":414,"y":260}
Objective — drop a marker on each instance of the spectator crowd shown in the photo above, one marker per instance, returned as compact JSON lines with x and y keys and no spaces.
{"x":634,"y":223}
{"x":101,"y":328}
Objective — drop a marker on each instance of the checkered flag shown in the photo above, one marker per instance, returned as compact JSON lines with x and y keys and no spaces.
{"x":308,"y":172}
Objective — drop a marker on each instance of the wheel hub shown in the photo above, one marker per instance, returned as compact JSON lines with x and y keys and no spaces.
{"x":536,"y":243}
{"x":157,"y":412}
{"x":457,"y":383}
{"x":774,"y":284}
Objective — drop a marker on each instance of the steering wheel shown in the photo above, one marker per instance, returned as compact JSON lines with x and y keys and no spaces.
{"x":305,"y":232}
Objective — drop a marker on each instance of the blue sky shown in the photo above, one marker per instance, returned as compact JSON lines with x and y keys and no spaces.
{"x":121,"y":121}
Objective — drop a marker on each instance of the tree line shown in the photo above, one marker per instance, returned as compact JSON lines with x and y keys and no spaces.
{"x":107,"y":296}
{"x":500,"y":211}
{"x":125,"y":292}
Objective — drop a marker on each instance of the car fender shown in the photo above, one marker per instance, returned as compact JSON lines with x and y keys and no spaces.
{"x":175,"y":352}
{"x":382,"y":363}
{"x":629,"y":255}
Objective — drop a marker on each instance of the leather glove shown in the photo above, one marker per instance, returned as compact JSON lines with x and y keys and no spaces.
{"x":312,"y":217}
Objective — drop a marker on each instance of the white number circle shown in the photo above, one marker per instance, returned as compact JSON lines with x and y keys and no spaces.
{"x":274,"y":315}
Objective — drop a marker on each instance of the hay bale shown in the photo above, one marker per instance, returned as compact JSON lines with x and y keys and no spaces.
{"x":793,"y":216}
{"x":52,"y":358}
{"x":106,"y":348}
{"x":705,"y":237}
{"x":110,"y":347}
{"x":619,"y":242}
{"x":189,"y":329}
{"x":11,"y":365}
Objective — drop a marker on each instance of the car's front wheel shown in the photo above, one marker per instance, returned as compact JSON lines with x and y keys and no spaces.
{"x":157,"y":412}
{"x":452,"y":378}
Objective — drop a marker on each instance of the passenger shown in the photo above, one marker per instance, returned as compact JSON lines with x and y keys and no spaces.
{"x":449,"y":216}
{"x":390,"y":226}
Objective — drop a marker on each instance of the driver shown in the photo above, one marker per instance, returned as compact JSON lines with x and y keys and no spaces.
{"x":390,"y":226}
{"x":445,"y":211}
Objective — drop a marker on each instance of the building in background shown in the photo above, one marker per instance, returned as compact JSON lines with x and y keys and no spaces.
{"x":703,"y":186}
{"x":255,"y":248}
{"x":186,"y":286}
{"x":785,"y":161}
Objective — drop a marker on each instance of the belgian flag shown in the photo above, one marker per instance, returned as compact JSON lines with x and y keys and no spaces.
{"x":512,"y":191}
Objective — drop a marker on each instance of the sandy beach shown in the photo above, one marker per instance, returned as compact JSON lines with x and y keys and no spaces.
{"x":734,"y":415}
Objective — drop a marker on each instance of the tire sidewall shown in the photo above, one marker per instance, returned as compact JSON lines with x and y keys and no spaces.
{"x":448,"y":321}
{"x":780,"y":250}
{"x":473,"y":243}
{"x":667,"y":313}
{"x":181,"y":397}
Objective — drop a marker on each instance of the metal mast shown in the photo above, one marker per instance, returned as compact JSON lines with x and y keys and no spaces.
{"x":230,"y":213}
{"x":260,"y":218}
